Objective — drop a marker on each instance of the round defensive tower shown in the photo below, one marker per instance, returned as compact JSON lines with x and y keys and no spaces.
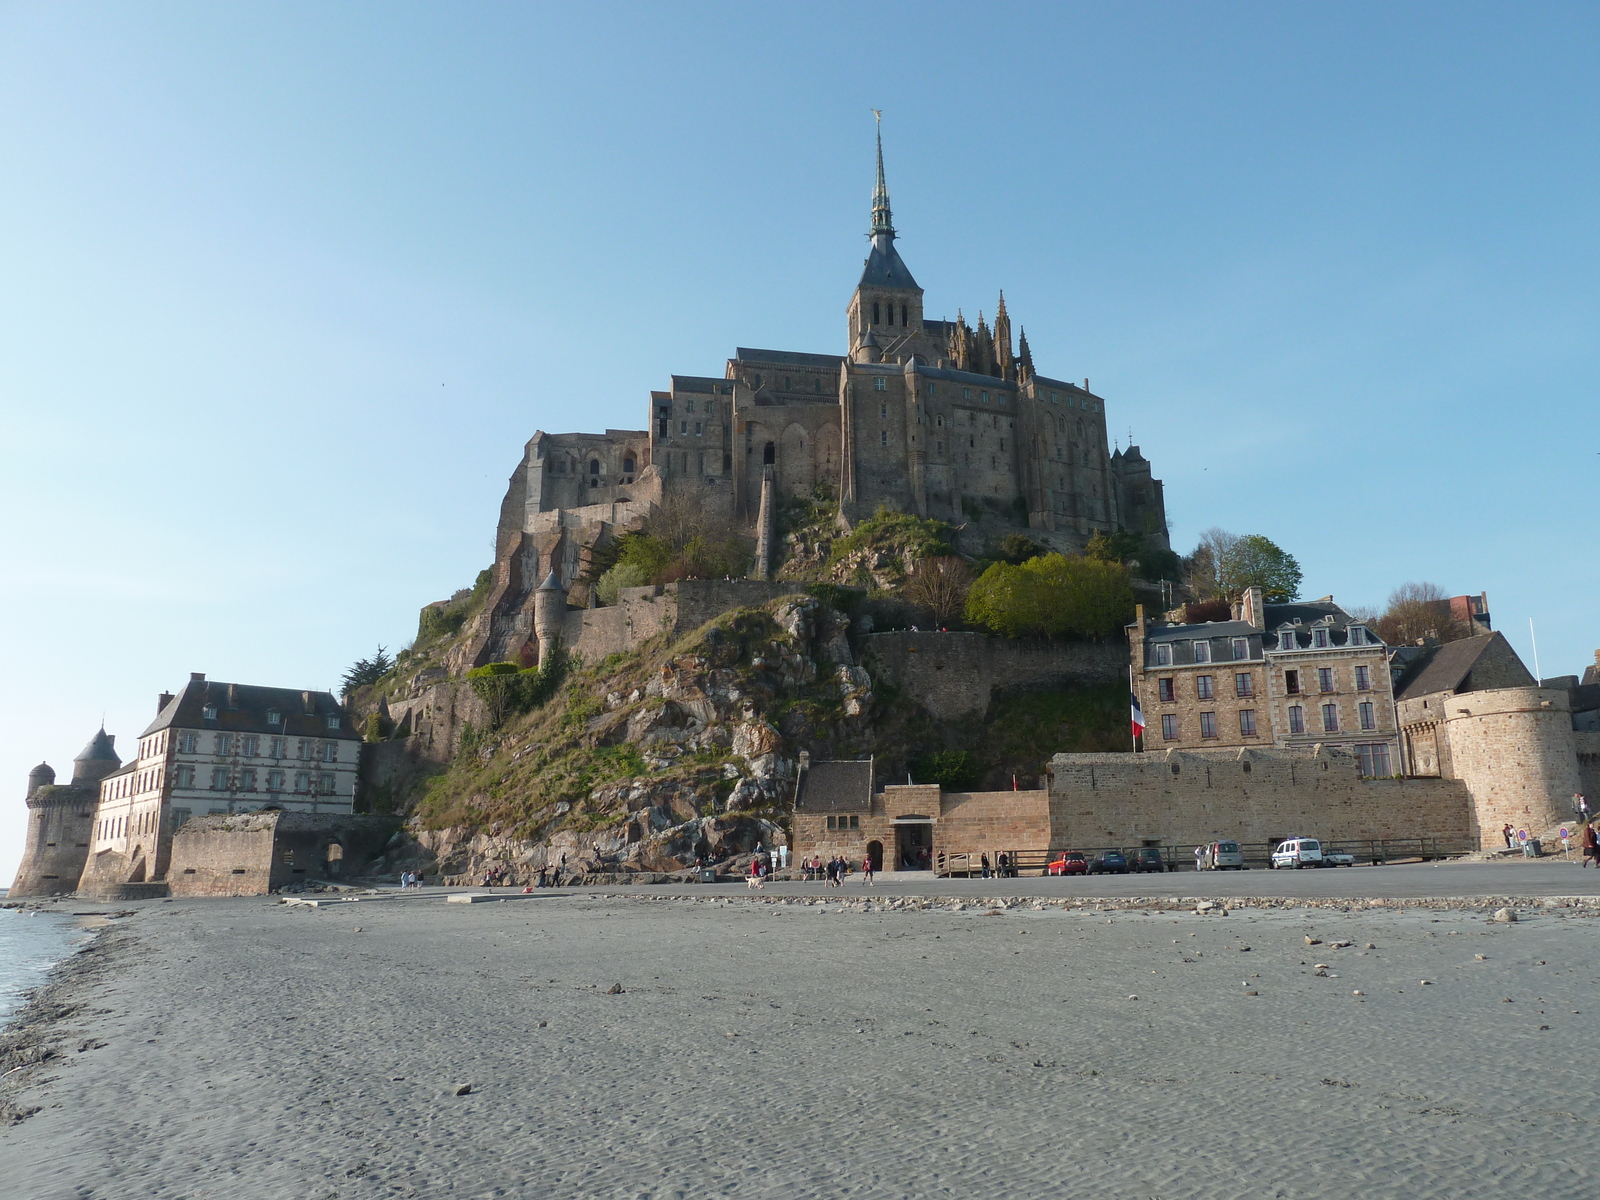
{"x":549,"y":613}
{"x":1513,"y":748}
{"x":61,"y":821}
{"x":96,"y":760}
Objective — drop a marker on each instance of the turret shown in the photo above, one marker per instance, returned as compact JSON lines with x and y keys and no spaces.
{"x":549,"y":614}
{"x":41,"y":776}
{"x":96,"y":760}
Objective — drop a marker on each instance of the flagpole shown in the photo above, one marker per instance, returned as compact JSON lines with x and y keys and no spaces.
{"x":1133,"y":734}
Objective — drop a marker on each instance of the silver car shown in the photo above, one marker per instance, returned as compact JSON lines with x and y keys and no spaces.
{"x":1221,"y":856}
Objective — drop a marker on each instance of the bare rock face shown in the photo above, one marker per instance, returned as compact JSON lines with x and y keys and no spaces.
{"x":718,"y":727}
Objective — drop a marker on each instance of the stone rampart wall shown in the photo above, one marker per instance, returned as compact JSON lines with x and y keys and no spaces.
{"x":1514,"y":748}
{"x":956,"y":675}
{"x":1180,"y":798}
{"x":1587,"y":744}
{"x":251,"y":854}
{"x":60,"y":824}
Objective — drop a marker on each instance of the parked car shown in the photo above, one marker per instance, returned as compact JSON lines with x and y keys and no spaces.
{"x":1337,"y":858}
{"x":1223,"y":856}
{"x":1148,"y":858}
{"x":1070,"y":863}
{"x":1108,"y":862}
{"x":1297,"y":853}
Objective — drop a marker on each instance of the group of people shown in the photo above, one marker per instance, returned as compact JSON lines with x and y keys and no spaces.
{"x":833,"y":872}
{"x":409,"y":879}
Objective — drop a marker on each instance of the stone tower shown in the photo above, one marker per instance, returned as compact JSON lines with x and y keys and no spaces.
{"x":61,"y":821}
{"x":886,"y":310}
{"x":1514,"y":749}
{"x":549,"y":614}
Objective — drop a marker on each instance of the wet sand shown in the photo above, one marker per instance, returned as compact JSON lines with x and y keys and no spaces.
{"x":253,"y":1049}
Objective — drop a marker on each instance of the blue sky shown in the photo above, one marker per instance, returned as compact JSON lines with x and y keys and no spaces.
{"x":284,"y":288}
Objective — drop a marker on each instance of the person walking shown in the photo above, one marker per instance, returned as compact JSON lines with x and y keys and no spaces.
{"x":753,"y":883}
{"x":1591,"y":845}
{"x":984,"y":860}
{"x":1199,"y":858}
{"x":866,"y":870}
{"x":1506,"y":833}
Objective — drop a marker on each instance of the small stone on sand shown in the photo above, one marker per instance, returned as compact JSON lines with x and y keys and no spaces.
{"x":1358,"y":992}
{"x":1481,"y":957}
{"x":464,"y":1090}
{"x":1505,"y":916}
{"x":615,"y":989}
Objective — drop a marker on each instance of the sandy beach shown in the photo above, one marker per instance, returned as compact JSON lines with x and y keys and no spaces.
{"x":254,"y":1049}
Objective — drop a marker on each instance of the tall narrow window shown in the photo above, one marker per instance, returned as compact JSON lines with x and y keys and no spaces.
{"x":874,"y":312}
{"x":1325,"y":679}
{"x":219,"y":779}
{"x":1330,"y":718}
{"x":1319,"y":638}
{"x":891,"y":315}
{"x":1202,"y":687}
{"x":1363,"y":679}
{"x":1241,"y":649}
{"x":1286,"y":639}
{"x":1169,"y":726}
{"x":1297,"y":719}
{"x":1163,"y":654}
{"x":1165,"y":690}
{"x":1368,"y":716}
{"x":1208,"y":724}
{"x":905,"y":319}
{"x":1202,"y":651}
{"x":1247,"y":722}
{"x":1244,"y":685}
{"x":1291,"y":682}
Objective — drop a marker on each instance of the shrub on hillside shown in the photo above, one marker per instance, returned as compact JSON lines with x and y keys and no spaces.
{"x":1052,"y":596}
{"x":953,"y":770}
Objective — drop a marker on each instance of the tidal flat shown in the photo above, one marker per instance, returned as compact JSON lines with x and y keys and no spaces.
{"x":606,"y":1046}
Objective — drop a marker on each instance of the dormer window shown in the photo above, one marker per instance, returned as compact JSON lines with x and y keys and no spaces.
{"x":1163,"y":654}
{"x":1286,"y":639}
{"x":1319,"y":639}
{"x":1358,"y":635}
{"x":333,"y":720}
{"x":1202,"y":651}
{"x":1241,"y":649}
{"x":209,"y":712}
{"x":274,"y":717}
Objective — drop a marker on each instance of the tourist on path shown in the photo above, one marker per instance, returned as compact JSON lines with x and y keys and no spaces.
{"x":1506,"y":833}
{"x":866,"y":870}
{"x":1591,"y":845}
{"x":985,"y":861}
{"x":754,"y":881}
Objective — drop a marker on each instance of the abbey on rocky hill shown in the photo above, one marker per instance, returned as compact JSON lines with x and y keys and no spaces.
{"x":932,"y":417}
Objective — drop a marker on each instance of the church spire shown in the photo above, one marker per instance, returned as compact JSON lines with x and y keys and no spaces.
{"x":882,"y":218}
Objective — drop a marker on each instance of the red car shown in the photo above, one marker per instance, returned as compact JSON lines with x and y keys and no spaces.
{"x":1070,"y":863}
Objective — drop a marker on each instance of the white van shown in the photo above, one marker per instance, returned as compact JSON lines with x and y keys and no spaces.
{"x":1297,"y":853}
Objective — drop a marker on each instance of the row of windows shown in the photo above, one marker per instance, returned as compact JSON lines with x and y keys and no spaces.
{"x":1172,"y":726}
{"x":209,"y":712}
{"x":1201,"y":651}
{"x":115,"y":827}
{"x":852,"y":822}
{"x":1326,"y":680}
{"x":905,"y":314}
{"x":1322,"y":638}
{"x":248,"y":745}
{"x":224,"y":780}
{"x":1244,"y":686}
{"x":132,"y":784}
{"x":559,"y":467}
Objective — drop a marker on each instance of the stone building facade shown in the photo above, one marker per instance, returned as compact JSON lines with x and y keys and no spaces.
{"x":926,"y":416}
{"x":1283,"y":675}
{"x":61,"y":820}
{"x":1172,"y":800}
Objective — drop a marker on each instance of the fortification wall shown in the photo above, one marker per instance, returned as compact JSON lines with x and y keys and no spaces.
{"x":251,"y":854}
{"x":1185,"y":798}
{"x":60,"y":824}
{"x":993,"y":822}
{"x":1587,"y":744}
{"x":675,"y":608}
{"x":223,"y":855}
{"x":1515,"y":750}
{"x":956,"y":675}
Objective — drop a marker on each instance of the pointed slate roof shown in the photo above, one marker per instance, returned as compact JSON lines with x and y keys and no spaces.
{"x":99,"y":749}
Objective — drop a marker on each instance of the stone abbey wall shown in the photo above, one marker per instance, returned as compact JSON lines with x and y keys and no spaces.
{"x":957,"y":674}
{"x":1186,"y":798}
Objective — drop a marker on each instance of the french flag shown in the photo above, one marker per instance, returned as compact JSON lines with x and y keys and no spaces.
{"x":1138,"y":714}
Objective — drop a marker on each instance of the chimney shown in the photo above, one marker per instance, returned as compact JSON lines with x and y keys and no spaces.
{"x":162,"y":701}
{"x":1254,"y":608}
{"x":233,"y":695}
{"x":197,"y":676}
{"x":306,"y":703}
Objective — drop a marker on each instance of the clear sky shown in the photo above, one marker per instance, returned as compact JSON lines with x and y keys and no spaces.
{"x":284,"y":288}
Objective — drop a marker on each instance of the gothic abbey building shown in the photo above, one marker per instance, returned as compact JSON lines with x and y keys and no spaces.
{"x":932,"y":417}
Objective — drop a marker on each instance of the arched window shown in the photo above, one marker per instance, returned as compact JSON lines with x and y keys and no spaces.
{"x":627,"y":465}
{"x":904,"y":319}
{"x":769,"y":454}
{"x":891,"y":314}
{"x":874,"y":312}
{"x":594,"y":466}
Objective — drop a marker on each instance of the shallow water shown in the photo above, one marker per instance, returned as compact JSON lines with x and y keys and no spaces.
{"x":30,"y":944}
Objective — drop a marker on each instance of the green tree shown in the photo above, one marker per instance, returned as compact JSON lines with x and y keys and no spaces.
{"x":1052,"y":596}
{"x":367,"y":671}
{"x":954,"y":770}
{"x":1255,"y":561}
{"x":623,"y":575}
{"x":1018,"y":548}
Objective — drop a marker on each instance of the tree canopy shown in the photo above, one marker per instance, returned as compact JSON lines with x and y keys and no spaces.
{"x":1224,"y":564}
{"x":367,"y":671}
{"x":1052,"y":596}
{"x":1419,"y":611}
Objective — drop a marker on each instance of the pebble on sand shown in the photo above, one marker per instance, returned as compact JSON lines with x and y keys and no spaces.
{"x":1311,"y":941}
{"x":464,"y":1090}
{"x":1505,"y":916}
{"x":616,"y":989}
